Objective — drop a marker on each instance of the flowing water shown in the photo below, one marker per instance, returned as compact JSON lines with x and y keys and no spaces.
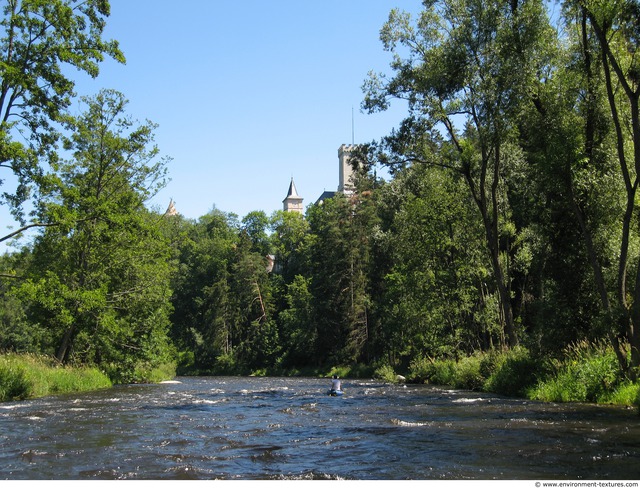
{"x":288,"y":428}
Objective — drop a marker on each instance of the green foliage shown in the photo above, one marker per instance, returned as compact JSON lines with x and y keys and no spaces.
{"x":587,"y":373}
{"x":443,"y":372}
{"x":507,"y":220}
{"x":13,"y":382}
{"x":513,"y":373}
{"x":340,"y":261}
{"x":28,"y":376}
{"x":154,"y":372}
{"x":355,"y":370}
{"x":297,"y":333}
{"x":427,"y":370}
{"x":508,"y":372}
{"x":626,"y":393}
{"x":40,"y":42}
{"x":99,"y":284}
{"x":17,"y":333}
{"x":226,"y":364}
{"x":435,"y":296}
{"x":468,"y":375}
{"x":386,"y":373}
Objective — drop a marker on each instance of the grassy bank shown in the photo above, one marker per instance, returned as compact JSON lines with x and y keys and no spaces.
{"x":25,"y":376}
{"x":585,"y":373}
{"x":28,"y":376}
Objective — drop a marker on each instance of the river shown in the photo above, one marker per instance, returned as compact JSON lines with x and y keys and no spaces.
{"x":288,"y":428}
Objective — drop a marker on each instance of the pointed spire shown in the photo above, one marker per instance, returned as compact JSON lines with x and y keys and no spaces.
{"x":293,"y":192}
{"x":171,"y":209}
{"x":293,"y":201}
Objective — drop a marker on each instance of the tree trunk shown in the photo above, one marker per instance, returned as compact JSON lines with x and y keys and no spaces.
{"x":63,"y":350}
{"x":612,"y":68}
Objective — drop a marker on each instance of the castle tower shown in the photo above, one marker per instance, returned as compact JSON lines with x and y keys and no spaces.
{"x":346,"y":182}
{"x":171,"y":209}
{"x":293,"y":201}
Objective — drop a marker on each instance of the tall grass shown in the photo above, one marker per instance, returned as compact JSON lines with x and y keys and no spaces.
{"x":29,"y":376}
{"x":504,"y":372}
{"x":587,"y":372}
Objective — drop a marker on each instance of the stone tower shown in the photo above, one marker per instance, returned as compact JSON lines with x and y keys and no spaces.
{"x":171,"y":209}
{"x":293,"y":201}
{"x":346,"y":184}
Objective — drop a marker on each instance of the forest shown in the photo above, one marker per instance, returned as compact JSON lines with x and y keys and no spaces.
{"x":503,"y":247}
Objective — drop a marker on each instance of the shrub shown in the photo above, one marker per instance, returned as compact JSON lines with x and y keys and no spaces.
{"x":13,"y":383}
{"x":588,"y":373}
{"x":148,"y":373}
{"x":68,"y":380}
{"x":626,"y":393}
{"x":444,"y":372}
{"x":421,"y":370}
{"x":27,"y":376}
{"x":226,"y":364}
{"x":386,"y":373}
{"x":514,"y":372}
{"x":490,"y":362}
{"x":467,"y":374}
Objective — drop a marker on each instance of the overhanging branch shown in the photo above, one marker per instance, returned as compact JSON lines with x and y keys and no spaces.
{"x":26,"y":227}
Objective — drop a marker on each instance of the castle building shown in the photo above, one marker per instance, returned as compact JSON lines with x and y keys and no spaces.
{"x":293,"y":201}
{"x":346,"y":183}
{"x":171,"y":209}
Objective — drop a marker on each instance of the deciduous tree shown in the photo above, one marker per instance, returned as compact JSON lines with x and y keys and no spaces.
{"x":99,"y":281}
{"x":39,"y":41}
{"x":464,"y":67}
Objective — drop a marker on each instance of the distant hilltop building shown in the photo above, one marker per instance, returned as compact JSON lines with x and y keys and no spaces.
{"x":293,"y":201}
{"x":171,"y":209}
{"x":346,"y":183}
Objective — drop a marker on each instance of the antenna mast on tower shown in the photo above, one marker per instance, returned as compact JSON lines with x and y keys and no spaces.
{"x":353,"y":137}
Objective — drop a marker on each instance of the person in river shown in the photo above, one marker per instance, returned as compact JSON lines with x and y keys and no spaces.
{"x":335,"y":383}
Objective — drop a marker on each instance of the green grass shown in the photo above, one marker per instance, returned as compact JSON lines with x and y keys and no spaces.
{"x":587,"y":372}
{"x":29,"y":376}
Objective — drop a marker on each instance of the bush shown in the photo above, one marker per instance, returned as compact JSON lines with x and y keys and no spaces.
{"x":13,"y":383}
{"x":435,"y":372}
{"x":28,"y":376}
{"x":588,"y":373}
{"x":468,"y":374}
{"x":464,"y":374}
{"x":514,"y":371}
{"x":626,"y":394}
{"x":506,"y":373}
{"x":148,"y":373}
{"x":386,"y":373}
{"x":421,"y":370}
{"x":226,"y":364}
{"x":444,"y":372}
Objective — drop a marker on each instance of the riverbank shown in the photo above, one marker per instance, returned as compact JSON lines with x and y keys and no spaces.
{"x":24,"y":376}
{"x":586,"y":372}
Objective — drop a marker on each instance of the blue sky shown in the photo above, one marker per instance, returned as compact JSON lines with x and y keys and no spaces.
{"x":248,"y":94}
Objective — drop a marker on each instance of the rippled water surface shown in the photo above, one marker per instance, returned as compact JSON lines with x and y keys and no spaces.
{"x":284,"y":428}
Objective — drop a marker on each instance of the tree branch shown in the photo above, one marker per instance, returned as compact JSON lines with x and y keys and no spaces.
{"x":27,"y":227}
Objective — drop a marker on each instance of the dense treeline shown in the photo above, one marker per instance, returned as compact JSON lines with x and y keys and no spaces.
{"x":509,"y":222}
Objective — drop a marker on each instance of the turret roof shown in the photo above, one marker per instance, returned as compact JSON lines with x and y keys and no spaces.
{"x":292,"y":190}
